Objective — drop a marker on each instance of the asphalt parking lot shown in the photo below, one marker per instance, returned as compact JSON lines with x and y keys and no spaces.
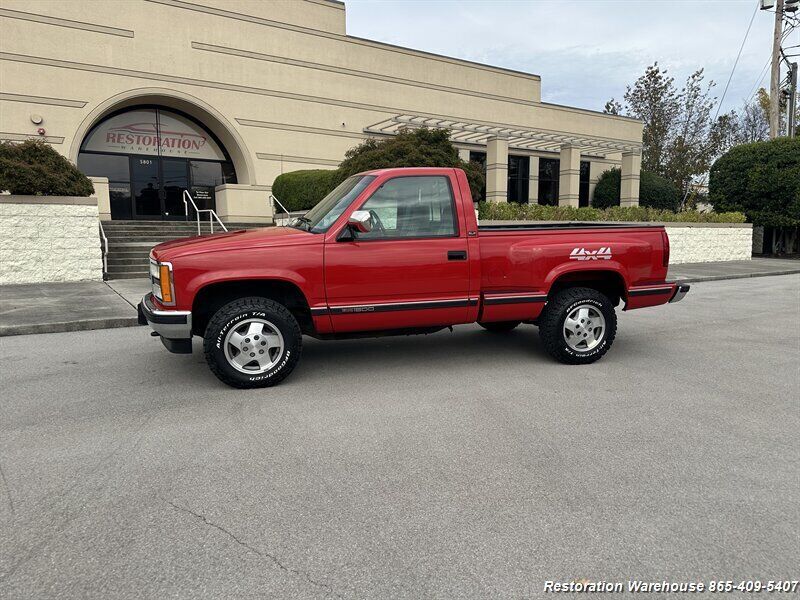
{"x":456,"y":465}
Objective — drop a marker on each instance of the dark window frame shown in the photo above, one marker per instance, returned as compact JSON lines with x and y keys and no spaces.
{"x":552,"y":180}
{"x":521,"y":182}
{"x":585,"y":183}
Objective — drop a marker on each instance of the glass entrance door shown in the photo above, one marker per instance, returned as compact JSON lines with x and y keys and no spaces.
{"x":158,"y":187}
{"x":146,"y":188}
{"x":175,"y":179}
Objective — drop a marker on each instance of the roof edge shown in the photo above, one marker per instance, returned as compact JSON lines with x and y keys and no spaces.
{"x":464,"y":61}
{"x":589,"y":111}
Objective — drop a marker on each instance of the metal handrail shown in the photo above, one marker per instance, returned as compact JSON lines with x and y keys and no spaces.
{"x":278,"y":202}
{"x":275,"y":201}
{"x":211,"y":213}
{"x":289,"y":216}
{"x":105,"y":249}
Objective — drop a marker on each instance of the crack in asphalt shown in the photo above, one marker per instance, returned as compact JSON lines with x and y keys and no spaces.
{"x":8,"y":490}
{"x":50,"y":500}
{"x":265,"y":555}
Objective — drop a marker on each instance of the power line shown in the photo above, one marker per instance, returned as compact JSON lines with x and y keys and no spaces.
{"x":736,"y":62}
{"x":764,"y":69}
{"x":760,"y":79}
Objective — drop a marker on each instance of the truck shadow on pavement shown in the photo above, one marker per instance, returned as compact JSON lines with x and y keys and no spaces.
{"x":466,"y":346}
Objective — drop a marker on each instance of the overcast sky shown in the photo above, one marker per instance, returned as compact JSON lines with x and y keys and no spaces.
{"x":586,"y":51}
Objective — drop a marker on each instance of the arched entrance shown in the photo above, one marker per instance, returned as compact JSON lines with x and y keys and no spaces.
{"x":150,"y":154}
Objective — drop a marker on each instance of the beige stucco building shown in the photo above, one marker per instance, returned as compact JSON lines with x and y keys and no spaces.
{"x":221,"y":96}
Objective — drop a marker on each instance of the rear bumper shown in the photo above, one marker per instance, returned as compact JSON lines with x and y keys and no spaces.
{"x":174,"y":326}
{"x":681,"y":289}
{"x":655,"y":294}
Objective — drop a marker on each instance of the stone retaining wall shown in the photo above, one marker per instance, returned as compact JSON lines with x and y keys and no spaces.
{"x":49,"y":238}
{"x":709,"y":242}
{"x":695,"y":242}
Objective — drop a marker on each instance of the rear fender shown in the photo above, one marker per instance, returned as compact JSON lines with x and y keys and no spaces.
{"x":610,"y":269}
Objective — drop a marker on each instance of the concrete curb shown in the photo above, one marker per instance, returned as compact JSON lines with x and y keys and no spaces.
{"x":85,"y":325}
{"x":736,"y":276}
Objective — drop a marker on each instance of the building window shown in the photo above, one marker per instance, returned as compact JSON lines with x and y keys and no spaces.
{"x":518,"y":179}
{"x":480,"y":158}
{"x":548,"y":181}
{"x":583,"y":199}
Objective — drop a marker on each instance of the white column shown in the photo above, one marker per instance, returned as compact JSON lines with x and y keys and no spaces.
{"x":569,"y":181}
{"x":629,"y":186}
{"x":497,"y":169}
{"x":463,"y":154}
{"x":533,"y":181}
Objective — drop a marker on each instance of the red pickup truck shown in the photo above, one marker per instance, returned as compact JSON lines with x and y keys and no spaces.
{"x":398,"y":251}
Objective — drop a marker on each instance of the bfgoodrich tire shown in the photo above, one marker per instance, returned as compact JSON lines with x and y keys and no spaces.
{"x":499,"y":326}
{"x":578,"y":326}
{"x":252,"y":343}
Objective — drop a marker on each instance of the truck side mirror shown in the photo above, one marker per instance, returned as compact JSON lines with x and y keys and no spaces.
{"x":360,"y":221}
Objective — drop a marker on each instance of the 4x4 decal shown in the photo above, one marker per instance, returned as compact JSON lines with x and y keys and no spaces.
{"x":603,"y":253}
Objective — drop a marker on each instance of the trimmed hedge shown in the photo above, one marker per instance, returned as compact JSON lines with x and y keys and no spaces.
{"x":761,"y":180}
{"x":421,"y":147}
{"x":302,"y":190}
{"x":34,"y":168}
{"x":654,"y":191}
{"x":509,"y":211}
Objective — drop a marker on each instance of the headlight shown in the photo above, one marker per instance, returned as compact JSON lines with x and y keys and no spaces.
{"x":162,"y":281}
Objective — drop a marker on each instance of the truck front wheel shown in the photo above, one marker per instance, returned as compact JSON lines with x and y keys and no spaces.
{"x":252,"y":342}
{"x":578,"y":326}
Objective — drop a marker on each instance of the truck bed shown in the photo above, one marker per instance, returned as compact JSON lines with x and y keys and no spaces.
{"x":559,"y":225}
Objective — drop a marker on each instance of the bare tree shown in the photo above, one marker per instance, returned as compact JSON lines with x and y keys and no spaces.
{"x":753,"y":119}
{"x":680,"y":138}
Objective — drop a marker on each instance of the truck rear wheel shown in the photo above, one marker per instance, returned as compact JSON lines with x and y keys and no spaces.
{"x":578,"y":326}
{"x":499,"y":326}
{"x":252,"y":342}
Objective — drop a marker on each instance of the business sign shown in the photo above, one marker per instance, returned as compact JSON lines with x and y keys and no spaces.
{"x":153,"y":132}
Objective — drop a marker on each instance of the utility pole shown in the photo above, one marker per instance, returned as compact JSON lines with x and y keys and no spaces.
{"x":792,"y":99}
{"x":774,"y":86}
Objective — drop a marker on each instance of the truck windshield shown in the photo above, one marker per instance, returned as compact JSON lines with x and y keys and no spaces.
{"x":320,"y":218}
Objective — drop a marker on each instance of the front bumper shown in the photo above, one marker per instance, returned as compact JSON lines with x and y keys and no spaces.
{"x":681,"y":290}
{"x":173,"y":326}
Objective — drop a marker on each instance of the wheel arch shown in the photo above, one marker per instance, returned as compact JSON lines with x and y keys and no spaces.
{"x":212,"y":296}
{"x":606,"y":281}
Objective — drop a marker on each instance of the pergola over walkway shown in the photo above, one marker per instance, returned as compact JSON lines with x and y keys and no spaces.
{"x":498,"y":139}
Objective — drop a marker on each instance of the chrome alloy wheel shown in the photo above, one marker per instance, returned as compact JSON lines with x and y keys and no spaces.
{"x":254,"y":346}
{"x":584,"y":328}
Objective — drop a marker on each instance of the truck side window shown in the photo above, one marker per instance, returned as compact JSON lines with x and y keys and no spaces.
{"x":409,"y":207}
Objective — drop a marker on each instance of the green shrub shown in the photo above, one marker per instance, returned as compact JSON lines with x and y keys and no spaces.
{"x":509,"y":211}
{"x":762,"y":180}
{"x":34,"y":168}
{"x":301,"y":190}
{"x":654,"y":191}
{"x":606,"y":192}
{"x":410,"y":148}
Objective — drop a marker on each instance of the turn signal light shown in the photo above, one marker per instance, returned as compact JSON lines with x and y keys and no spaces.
{"x":166,"y":283}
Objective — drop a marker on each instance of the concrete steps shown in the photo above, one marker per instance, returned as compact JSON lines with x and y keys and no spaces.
{"x":130,"y":242}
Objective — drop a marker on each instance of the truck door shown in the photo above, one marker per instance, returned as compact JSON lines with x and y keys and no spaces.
{"x":412,"y":268}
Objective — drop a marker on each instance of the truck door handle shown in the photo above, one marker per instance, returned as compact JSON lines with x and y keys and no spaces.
{"x":456,"y":255}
